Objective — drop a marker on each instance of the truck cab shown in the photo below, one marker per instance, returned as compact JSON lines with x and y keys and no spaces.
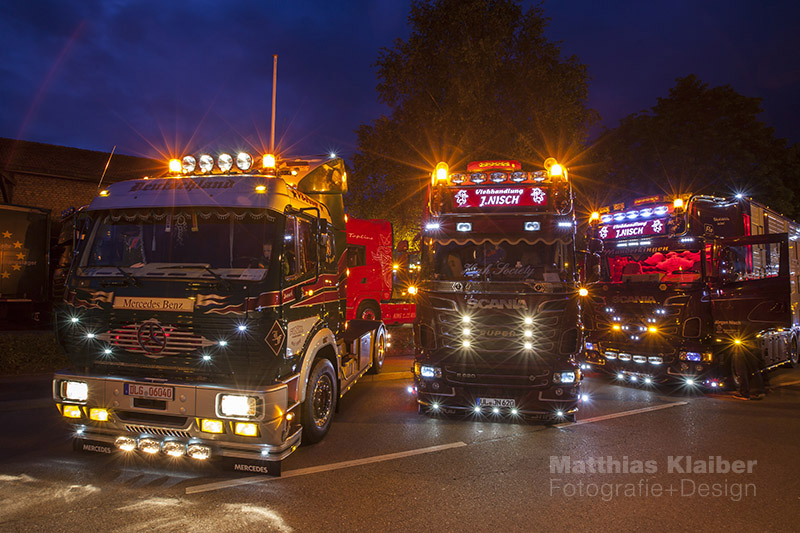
{"x":498,"y":307}
{"x":204,"y":312}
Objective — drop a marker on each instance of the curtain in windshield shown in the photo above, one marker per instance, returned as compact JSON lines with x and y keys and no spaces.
{"x":676,"y":266}
{"x":502,"y":261}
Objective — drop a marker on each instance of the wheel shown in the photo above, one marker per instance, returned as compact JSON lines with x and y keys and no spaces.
{"x":321,"y":394}
{"x":368,"y":311}
{"x":378,"y":352}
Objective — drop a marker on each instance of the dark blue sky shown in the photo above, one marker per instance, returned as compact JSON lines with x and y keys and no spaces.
{"x":159,"y":77}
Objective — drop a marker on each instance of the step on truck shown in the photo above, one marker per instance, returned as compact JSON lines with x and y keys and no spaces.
{"x":204,"y":312}
{"x":380,"y":284}
{"x":686,"y":283}
{"x":498,"y":305}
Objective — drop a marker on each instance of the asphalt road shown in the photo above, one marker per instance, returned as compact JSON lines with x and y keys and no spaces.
{"x":384,"y":467}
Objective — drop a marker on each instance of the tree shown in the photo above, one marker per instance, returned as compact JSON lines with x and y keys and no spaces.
{"x":701,"y":140}
{"x":476,"y":79}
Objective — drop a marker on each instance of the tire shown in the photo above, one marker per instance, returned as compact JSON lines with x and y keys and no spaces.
{"x":368,"y":311}
{"x":378,"y":352}
{"x":320,"y":404}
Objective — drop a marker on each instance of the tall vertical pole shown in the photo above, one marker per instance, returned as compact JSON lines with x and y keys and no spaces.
{"x":274,"y":85}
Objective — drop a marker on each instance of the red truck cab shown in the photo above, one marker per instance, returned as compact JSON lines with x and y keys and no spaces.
{"x":379,"y":286}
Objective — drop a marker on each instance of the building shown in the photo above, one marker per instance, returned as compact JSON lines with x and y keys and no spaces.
{"x":58,"y":177}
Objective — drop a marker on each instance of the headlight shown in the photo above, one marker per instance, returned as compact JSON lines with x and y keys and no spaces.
{"x":236,"y":405}
{"x":76,"y":391}
{"x":564,"y":377}
{"x":695,"y":356}
{"x":430,"y":372}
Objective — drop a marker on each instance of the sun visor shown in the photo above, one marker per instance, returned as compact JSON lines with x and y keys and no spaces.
{"x":499,"y":239}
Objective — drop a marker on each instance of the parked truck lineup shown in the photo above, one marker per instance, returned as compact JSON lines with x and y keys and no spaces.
{"x":204,"y":312}
{"x":686,"y":283}
{"x":498,"y":310}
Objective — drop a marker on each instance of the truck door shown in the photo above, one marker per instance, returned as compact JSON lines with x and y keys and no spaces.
{"x":751,"y":287}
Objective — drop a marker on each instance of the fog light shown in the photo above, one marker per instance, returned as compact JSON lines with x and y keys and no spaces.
{"x":559,"y":413}
{"x":198,"y":451}
{"x":209,"y":425}
{"x":72,"y":411}
{"x":648,"y":380}
{"x":100,"y":415}
{"x":528,"y":346}
{"x":435,"y":406}
{"x":689,"y":381}
{"x":620,"y":376}
{"x":174,"y":448}
{"x":528,"y":321}
{"x":148,"y":445}
{"x":465,"y":344}
{"x":477,"y":409}
{"x":126,"y":444}
{"x":465,"y":319}
{"x":514,"y":411}
{"x":634,"y":378}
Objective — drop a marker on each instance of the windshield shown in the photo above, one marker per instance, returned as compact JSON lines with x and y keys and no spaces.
{"x":667,"y":266}
{"x":501,"y":262}
{"x":234,"y":244}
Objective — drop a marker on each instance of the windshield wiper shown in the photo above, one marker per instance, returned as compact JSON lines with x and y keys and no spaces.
{"x":130,"y":277}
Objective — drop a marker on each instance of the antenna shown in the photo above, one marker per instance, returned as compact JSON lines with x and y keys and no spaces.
{"x":103,"y":175}
{"x":274,"y":84}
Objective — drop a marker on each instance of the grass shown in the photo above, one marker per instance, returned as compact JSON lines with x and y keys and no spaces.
{"x":30,"y":352}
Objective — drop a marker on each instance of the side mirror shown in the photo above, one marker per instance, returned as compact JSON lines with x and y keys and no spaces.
{"x":594,"y":245}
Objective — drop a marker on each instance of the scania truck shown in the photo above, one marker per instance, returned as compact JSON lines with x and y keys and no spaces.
{"x":204,"y":312}
{"x":685,"y":283}
{"x":498,"y":306}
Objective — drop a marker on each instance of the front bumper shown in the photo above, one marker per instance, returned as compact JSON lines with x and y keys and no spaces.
{"x":550,"y":402}
{"x":177,"y":421}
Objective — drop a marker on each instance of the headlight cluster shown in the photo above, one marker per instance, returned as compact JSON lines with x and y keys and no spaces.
{"x":696,"y":357}
{"x":564,"y":377}
{"x":239,"y":406}
{"x":429,"y":372}
{"x":75,"y":391}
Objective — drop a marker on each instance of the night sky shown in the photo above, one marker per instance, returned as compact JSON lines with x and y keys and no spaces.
{"x":159,"y":78}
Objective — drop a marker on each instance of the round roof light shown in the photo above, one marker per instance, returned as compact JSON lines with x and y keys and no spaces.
{"x":244,"y":161}
{"x":188,"y":164}
{"x":477,"y":177}
{"x":458,"y":179}
{"x":519,"y":176}
{"x":225,"y":162}
{"x":206,"y":163}
{"x":497,"y":177}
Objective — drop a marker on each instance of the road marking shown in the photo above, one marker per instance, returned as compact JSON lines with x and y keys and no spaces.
{"x":790,"y":383}
{"x":322,"y":468}
{"x":619,"y":415}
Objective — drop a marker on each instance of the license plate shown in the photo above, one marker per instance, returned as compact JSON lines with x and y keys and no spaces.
{"x":496,"y":402}
{"x":152,"y":392}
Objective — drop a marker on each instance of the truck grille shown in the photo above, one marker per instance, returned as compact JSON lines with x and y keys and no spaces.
{"x":178,"y":340}
{"x":163,"y":432}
